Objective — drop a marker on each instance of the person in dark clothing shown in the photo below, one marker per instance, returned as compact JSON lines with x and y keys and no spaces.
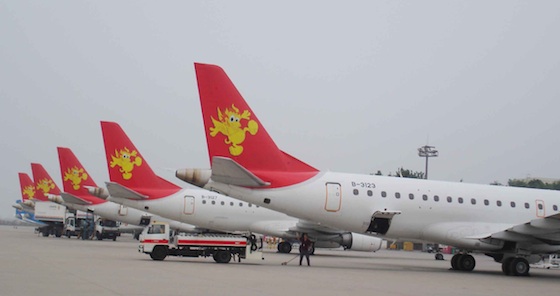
{"x":305,"y":248}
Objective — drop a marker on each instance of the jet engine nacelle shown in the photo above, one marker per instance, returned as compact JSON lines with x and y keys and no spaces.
{"x":359,"y":242}
{"x":55,"y":198}
{"x":98,"y":191}
{"x":196,"y":177}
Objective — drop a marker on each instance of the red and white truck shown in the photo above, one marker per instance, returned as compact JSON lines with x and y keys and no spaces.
{"x":159,"y":241}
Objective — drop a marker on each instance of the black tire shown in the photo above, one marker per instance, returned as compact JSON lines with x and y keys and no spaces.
{"x":98,"y":235}
{"x":519,"y":267}
{"x":158,"y":253}
{"x":506,"y":265}
{"x":114,"y":238}
{"x":222,"y":257}
{"x":45,"y":233}
{"x":455,"y":261}
{"x":439,"y":256}
{"x":284,"y":247}
{"x":466,"y":262}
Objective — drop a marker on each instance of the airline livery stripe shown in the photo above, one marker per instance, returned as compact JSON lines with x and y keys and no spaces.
{"x":207,"y":242}
{"x":155,"y":241}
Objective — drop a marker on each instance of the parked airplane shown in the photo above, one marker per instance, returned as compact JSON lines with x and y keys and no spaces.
{"x":134,"y":183}
{"x":76,"y":196}
{"x":28,"y":191}
{"x":512,"y":225}
{"x":24,"y":215}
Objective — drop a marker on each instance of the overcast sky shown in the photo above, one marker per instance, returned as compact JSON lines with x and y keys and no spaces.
{"x":349,"y":86}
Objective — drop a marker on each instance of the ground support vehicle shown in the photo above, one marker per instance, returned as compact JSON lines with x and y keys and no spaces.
{"x":159,"y":242}
{"x":53,"y":215}
{"x":105,"y":228}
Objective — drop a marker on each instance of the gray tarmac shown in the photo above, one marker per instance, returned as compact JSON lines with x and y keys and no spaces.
{"x":34,"y":265}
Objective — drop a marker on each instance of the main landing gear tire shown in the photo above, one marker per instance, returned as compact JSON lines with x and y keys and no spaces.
{"x":158,"y":253}
{"x":516,"y":266}
{"x":464,"y":262}
{"x":222,"y":257}
{"x":284,"y":247}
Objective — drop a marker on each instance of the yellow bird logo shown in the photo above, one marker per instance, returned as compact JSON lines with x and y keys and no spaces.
{"x":126,"y":160}
{"x":75,"y":176}
{"x":230,"y":126}
{"x":29,"y":190}
{"x":45,"y":185}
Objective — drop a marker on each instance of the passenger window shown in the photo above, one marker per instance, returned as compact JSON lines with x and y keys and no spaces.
{"x":204,"y":202}
{"x":424,"y":197}
{"x":383,"y":194}
{"x":540,"y":206}
{"x":499,"y":203}
{"x":223,"y":203}
{"x":356,"y":192}
{"x":555,"y":207}
{"x":473,"y":201}
{"x":486,"y":202}
{"x":231,"y":203}
{"x":436,"y":198}
{"x":449,"y":199}
{"x":512,"y":204}
{"x":526,"y":205}
{"x":397,"y":195}
{"x":369,"y":193}
{"x":240,"y":204}
{"x":213,"y":202}
{"x":411,"y":196}
{"x":250,"y":205}
{"x":460,"y":199}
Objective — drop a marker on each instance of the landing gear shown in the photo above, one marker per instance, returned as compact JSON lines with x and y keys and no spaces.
{"x":438,"y":256}
{"x":284,"y":247}
{"x":464,"y":262}
{"x":516,"y":266}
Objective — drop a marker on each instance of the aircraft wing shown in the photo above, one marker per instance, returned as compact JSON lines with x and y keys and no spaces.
{"x":542,"y":230}
{"x":72,"y":199}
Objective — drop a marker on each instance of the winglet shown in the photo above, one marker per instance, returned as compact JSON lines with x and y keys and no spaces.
{"x":128,"y":167}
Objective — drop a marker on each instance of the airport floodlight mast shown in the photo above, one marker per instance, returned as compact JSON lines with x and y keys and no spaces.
{"x":427,"y":152}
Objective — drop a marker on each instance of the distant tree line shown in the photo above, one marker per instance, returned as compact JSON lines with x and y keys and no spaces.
{"x":534,"y":183}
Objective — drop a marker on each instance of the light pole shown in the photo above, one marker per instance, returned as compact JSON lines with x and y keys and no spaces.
{"x":427,"y":152}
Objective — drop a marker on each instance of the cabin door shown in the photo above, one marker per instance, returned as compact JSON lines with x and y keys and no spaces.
{"x":189,"y":205}
{"x":333,"y":199}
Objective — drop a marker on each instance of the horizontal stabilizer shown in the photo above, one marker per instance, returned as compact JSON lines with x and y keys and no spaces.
{"x":120,"y":191}
{"x":226,"y":170}
{"x":72,"y":199}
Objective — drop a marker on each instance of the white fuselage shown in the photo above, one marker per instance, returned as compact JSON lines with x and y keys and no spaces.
{"x":117,"y":212}
{"x":442,"y":221}
{"x":214,"y":211}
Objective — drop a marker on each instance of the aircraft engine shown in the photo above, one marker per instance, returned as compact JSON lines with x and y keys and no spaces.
{"x":196,"y":177}
{"x":359,"y":242}
{"x":98,"y":191}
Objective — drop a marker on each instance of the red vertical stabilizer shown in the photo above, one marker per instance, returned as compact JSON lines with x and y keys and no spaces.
{"x":44,"y":184}
{"x":233,"y":130}
{"x":128,"y":167}
{"x":28,"y":190}
{"x":75,"y":177}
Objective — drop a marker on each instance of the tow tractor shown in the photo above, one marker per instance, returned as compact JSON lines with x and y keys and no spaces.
{"x":159,"y":241}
